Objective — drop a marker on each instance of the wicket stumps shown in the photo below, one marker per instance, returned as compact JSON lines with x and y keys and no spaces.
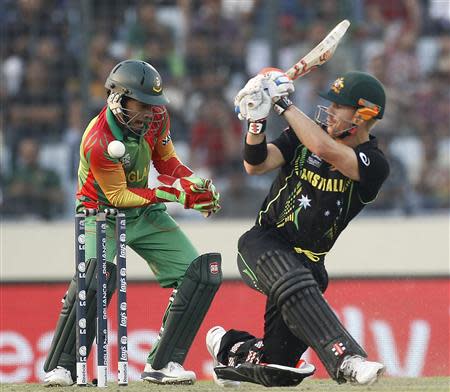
{"x":102,"y":297}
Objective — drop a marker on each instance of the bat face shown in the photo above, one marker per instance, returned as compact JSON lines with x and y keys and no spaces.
{"x":316,"y":57}
{"x":320,"y":54}
{"x":303,"y":68}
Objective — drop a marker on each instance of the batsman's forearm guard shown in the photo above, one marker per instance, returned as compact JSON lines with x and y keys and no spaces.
{"x":255,"y":154}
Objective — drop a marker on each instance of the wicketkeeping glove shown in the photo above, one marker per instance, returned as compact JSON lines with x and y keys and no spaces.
{"x":193,"y":192}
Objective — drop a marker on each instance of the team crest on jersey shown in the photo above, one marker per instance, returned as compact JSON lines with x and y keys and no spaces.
{"x":338,"y":85}
{"x":166,"y":139}
{"x":126,"y":159}
{"x":157,"y":85}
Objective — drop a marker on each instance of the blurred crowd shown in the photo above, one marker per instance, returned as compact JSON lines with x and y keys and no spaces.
{"x":56,"y":54}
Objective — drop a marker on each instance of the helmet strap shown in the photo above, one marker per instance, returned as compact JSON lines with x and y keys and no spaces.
{"x":347,"y":132}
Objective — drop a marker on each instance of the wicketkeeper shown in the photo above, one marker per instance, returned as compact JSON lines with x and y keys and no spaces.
{"x":136,"y":122}
{"x":328,"y":170}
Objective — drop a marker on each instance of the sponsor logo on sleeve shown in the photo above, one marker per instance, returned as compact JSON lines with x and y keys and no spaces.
{"x":166,"y":139}
{"x":364,"y":159}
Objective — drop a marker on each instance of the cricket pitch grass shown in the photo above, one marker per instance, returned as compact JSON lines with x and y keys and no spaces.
{"x":428,"y":384}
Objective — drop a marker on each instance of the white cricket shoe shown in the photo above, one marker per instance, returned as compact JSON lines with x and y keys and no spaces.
{"x":213,"y":339}
{"x":358,"y":370}
{"x":58,"y":377}
{"x":172,"y":373}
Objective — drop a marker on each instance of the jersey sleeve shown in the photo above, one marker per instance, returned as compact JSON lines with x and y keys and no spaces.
{"x":110,"y":177}
{"x":165,"y":158}
{"x":373,"y":171}
{"x":287,"y":143}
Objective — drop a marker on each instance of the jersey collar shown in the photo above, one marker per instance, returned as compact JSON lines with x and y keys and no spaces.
{"x":113,"y":125}
{"x":373,"y":141}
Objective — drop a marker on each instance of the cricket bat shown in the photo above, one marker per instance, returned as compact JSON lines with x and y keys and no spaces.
{"x":320,"y":54}
{"x":317,"y":56}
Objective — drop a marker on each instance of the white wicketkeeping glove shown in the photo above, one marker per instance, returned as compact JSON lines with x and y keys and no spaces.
{"x":277,"y":84}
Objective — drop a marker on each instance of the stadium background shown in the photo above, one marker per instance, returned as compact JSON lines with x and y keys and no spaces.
{"x":392,"y":266}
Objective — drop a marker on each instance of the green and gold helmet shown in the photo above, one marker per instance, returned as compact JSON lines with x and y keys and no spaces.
{"x":354,"y":89}
{"x":138,"y":80}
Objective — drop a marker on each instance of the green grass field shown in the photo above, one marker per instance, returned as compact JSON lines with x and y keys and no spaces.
{"x":428,"y":384}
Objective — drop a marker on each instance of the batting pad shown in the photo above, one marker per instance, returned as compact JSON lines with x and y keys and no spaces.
{"x":304,"y":309}
{"x":192,"y":301}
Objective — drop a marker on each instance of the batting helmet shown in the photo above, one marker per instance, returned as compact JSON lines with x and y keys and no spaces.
{"x":353,"y":86}
{"x":138,"y":80}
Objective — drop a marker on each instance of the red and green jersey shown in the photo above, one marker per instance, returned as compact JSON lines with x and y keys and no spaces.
{"x":104,"y":181}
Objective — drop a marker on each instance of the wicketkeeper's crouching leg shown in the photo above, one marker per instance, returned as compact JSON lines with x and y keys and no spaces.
{"x":182,"y":321}
{"x":62,"y":351}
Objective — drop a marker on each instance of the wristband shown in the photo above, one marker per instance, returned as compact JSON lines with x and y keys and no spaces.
{"x":255,"y":154}
{"x":257,"y":127}
{"x":281,"y":105}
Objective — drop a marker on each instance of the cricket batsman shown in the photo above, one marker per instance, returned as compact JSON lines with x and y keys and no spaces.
{"x":328,"y":171}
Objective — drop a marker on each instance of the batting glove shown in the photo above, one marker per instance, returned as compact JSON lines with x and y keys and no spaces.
{"x":276,"y":83}
{"x":252,"y":87}
{"x":255,"y":107}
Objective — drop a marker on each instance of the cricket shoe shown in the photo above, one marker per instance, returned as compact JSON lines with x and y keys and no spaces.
{"x":358,"y":370}
{"x":269,"y":375}
{"x":58,"y":377}
{"x":172,"y":373}
{"x":213,"y":339}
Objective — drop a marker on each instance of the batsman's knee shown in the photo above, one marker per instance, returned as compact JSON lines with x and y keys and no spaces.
{"x":280,"y":275}
{"x":304,"y":310}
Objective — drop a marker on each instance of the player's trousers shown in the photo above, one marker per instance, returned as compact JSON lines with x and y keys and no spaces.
{"x":155,"y":236}
{"x":278,"y":344}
